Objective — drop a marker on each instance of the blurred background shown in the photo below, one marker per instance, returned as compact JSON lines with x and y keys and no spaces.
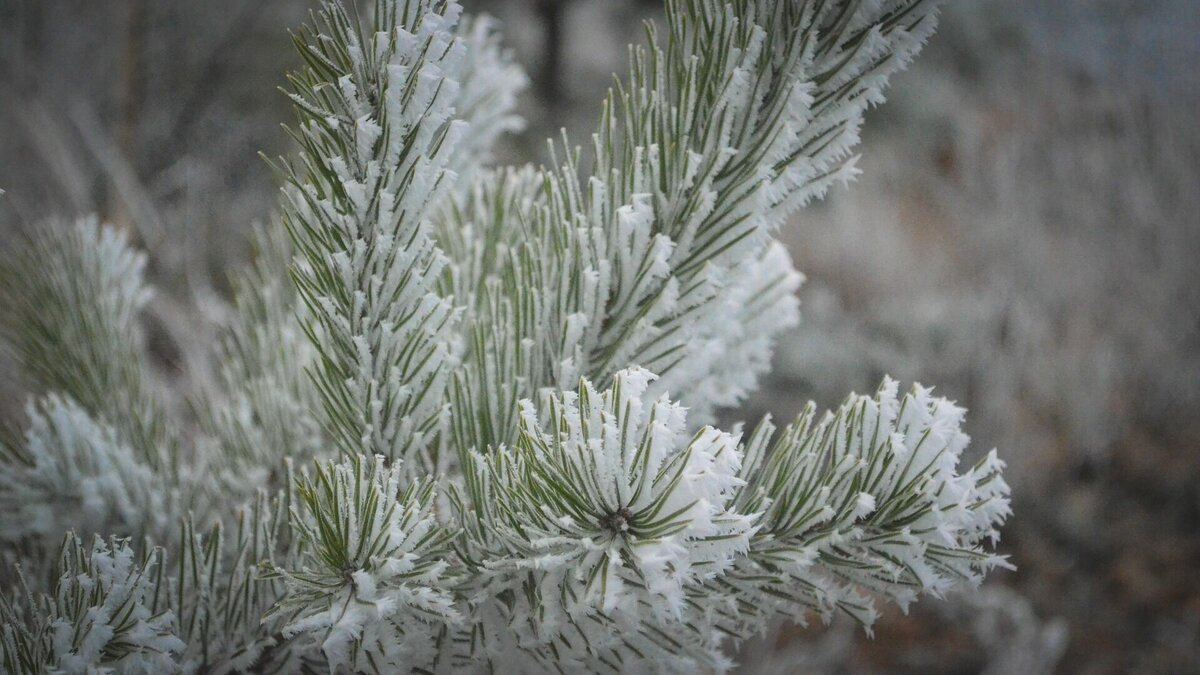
{"x":1025,"y":236}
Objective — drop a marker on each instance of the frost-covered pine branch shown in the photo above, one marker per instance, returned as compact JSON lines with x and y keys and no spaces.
{"x":625,"y":545}
{"x":463,"y":415}
{"x":97,"y":454}
{"x":74,"y":472}
{"x":385,"y":111}
{"x":201,"y":607}
{"x":71,"y":293}
{"x":371,"y":586}
{"x":106,"y":609}
{"x":865,"y":501}
{"x":262,"y":413}
{"x":597,"y":522}
{"x":661,"y":253}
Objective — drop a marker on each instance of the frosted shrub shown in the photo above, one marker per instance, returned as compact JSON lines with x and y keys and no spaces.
{"x":463,"y":414}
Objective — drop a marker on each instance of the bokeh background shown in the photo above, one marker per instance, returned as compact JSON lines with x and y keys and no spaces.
{"x":1025,"y":236}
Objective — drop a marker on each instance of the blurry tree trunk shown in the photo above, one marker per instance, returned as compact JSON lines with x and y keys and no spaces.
{"x":121,"y":215}
{"x":550,"y":77}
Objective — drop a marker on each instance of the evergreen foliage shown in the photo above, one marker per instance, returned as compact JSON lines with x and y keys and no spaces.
{"x":496,"y":383}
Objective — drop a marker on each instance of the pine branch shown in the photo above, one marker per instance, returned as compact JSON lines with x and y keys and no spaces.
{"x":74,"y":473}
{"x":380,"y":137}
{"x":742,"y":112}
{"x":370,"y":583}
{"x":222,"y":595}
{"x":866,"y":500}
{"x":102,"y":613}
{"x":266,"y":407}
{"x":746,"y":112}
{"x":70,"y":295}
{"x":199,"y":609}
{"x":599,"y":519}
{"x":508,"y":344}
{"x":489,"y":82}
{"x":602,"y":540}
